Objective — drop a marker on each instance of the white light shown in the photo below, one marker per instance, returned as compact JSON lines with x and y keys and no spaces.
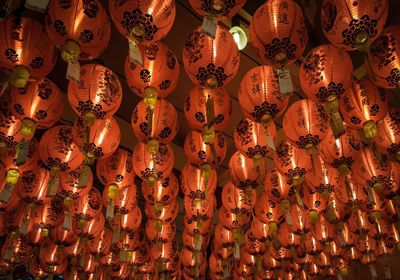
{"x":239,"y":36}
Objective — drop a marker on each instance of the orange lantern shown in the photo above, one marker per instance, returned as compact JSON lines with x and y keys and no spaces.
{"x":259,"y":95}
{"x":278,"y":32}
{"x":97,"y":95}
{"x":163,"y":191}
{"x":33,"y":186}
{"x":277,"y":187}
{"x":165,"y":252}
{"x":353,"y":25}
{"x":82,"y":28}
{"x":199,"y":153}
{"x":160,"y":232}
{"x":244,"y":172}
{"x":280,"y":254}
{"x":391,"y":187}
{"x":268,"y":212}
{"x":259,"y":229}
{"x":358,"y":223}
{"x":200,"y":211}
{"x":157,"y":77}
{"x":208,"y":110}
{"x":159,"y":123}
{"x":323,"y":231}
{"x":71,"y":189}
{"x":15,"y":250}
{"x":254,"y":139}
{"x":217,"y":8}
{"x":167,"y":214}
{"x":198,"y":183}
{"x":50,"y":256}
{"x":100,"y":245}
{"x":197,"y":227}
{"x":87,"y":207}
{"x":204,"y":65}
{"x":305,"y":124}
{"x":363,"y":106}
{"x":236,"y":200}
{"x":351,"y":194}
{"x":300,"y":220}
{"x":89,"y":230}
{"x":384,"y":56}
{"x":25,"y":49}
{"x":143,"y":22}
{"x":100,"y":140}
{"x":388,"y":137}
{"x":231,"y":220}
{"x":312,"y":202}
{"x":61,"y":236}
{"x":40,"y":104}
{"x":292,"y":162}
{"x":9,"y":130}
{"x":312,"y":246}
{"x":287,"y":238}
{"x":47,"y":216}
{"x":124,"y":203}
{"x":195,"y":242}
{"x":152,"y":163}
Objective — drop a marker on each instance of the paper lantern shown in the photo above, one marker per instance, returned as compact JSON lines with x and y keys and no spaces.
{"x":236,"y":200}
{"x":47,"y":216}
{"x":268,"y":212}
{"x":33,"y":186}
{"x":167,"y":214}
{"x":204,"y":65}
{"x":143,"y":22}
{"x":244,"y":172}
{"x":231,"y":220}
{"x":192,"y":241}
{"x":97,"y":95}
{"x":353,"y":25}
{"x":124,"y":202}
{"x":200,"y":211}
{"x":322,"y":178}
{"x":351,"y":194}
{"x":163,"y":191}
{"x":198,"y":183}
{"x":87,"y":208}
{"x":277,"y":187}
{"x":216,"y":8}
{"x":100,"y":245}
{"x":10,"y":127}
{"x":71,"y":187}
{"x":82,"y":28}
{"x":384,"y":56}
{"x":160,"y":233}
{"x":278,"y":32}
{"x":25,"y":49}
{"x":388,"y":138}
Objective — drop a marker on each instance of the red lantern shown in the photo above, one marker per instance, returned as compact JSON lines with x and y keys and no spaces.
{"x":268,"y":212}
{"x":143,"y":22}
{"x":15,"y":250}
{"x":100,"y":140}
{"x":216,"y":8}
{"x":167,"y":214}
{"x":277,"y":187}
{"x":323,"y":231}
{"x":198,"y":152}
{"x":363,"y":106}
{"x":160,"y":232}
{"x":278,"y":32}
{"x":244,"y":172}
{"x":351,"y":194}
{"x":391,"y":188}
{"x":40,"y":104}
{"x":159,"y":123}
{"x":25,"y":49}
{"x":259,"y":229}
{"x":313,"y":202}
{"x":195,"y":242}
{"x":287,"y":238}
{"x":259,"y":95}
{"x":97,"y":95}
{"x":87,"y":207}
{"x":33,"y":186}
{"x":281,"y":254}
{"x":163,"y":191}
{"x":198,"y":183}
{"x":322,"y":178}
{"x":124,"y":202}
{"x":48,"y":216}
{"x":388,"y":136}
{"x":100,"y":245}
{"x":10,"y":127}
{"x":51,"y":255}
{"x":236,"y":200}
{"x":312,"y":246}
{"x":61,"y":236}
{"x":197,"y":227}
{"x":353,"y":25}
{"x":292,"y":162}
{"x":254,"y":139}
{"x":384,"y":56}
{"x":71,"y":188}
{"x":129,"y":222}
{"x":204,"y":65}
{"x":159,"y":75}
{"x":200,"y":211}
{"x":305,"y":124}
{"x":89,"y":229}
{"x":301,"y":222}
{"x":152,"y":163}
{"x":231,"y":220}
{"x":81,"y":27}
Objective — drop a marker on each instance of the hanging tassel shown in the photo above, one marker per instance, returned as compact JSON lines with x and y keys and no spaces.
{"x":370,"y":129}
{"x":299,"y":199}
{"x":388,"y":272}
{"x":11,"y":179}
{"x":116,"y":237}
{"x":374,"y":275}
{"x":270,"y":141}
{"x":67,"y":225}
{"x":54,"y":181}
{"x":209,"y":28}
{"x":24,"y":227}
{"x":112,"y":195}
{"x":198,"y":240}
{"x":158,"y":226}
{"x":236,"y":252}
{"x":284,"y":80}
{"x":84,"y":176}
{"x":331,"y":107}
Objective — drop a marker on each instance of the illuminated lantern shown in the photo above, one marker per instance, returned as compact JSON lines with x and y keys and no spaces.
{"x":50,"y":256}
{"x":299,"y":219}
{"x":335,"y":210}
{"x":391,"y":188}
{"x":270,"y":263}
{"x":277,"y":187}
{"x":36,"y":270}
{"x":216,"y":8}
{"x":243,"y":270}
{"x":259,"y":95}
{"x":323,"y":231}
{"x":198,"y":183}
{"x":365,"y":245}
{"x":164,"y":233}
{"x":351,"y":195}
{"x":201,"y":211}
{"x":244,"y":172}
{"x":152,"y":163}
{"x":9,"y":130}
{"x":15,"y":250}
{"x":387,"y":138}
{"x":353,"y":25}
{"x":7,"y":204}
{"x":342,"y":151}
{"x":159,"y":123}
{"x":231,"y":220}
{"x":97,"y":95}
{"x":124,"y":202}
{"x":292,"y":162}
{"x":204,"y":65}
{"x":268,"y":212}
{"x":324,"y":83}
{"x":287,"y":238}
{"x":82,"y":28}
{"x":167,"y":214}
{"x":369,"y":171}
{"x":87,"y":207}
{"x":164,"y":252}
{"x":198,"y":152}
{"x":254,"y":139}
{"x":33,"y":186}
{"x":25,"y":49}
{"x":100,"y":140}
{"x":259,"y":229}
{"x":236,"y":200}
{"x":305,"y":124}
{"x":358,"y":223}
{"x":39,"y":105}
{"x":313,"y":202}
{"x":61,"y":236}
{"x":143,"y":22}
{"x":197,"y":227}
{"x":70,"y":184}
{"x":208,"y":110}
{"x":280,"y":254}
{"x":100,"y":245}
{"x":163,"y":191}
{"x":278,"y":32}
{"x":312,"y":245}
{"x":157,"y":77}
{"x":48,"y":216}
{"x":195,"y":242}
{"x":89,"y":229}
{"x":363,"y":106}
{"x":384,"y":56}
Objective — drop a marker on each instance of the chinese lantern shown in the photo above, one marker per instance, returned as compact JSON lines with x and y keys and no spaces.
{"x":25,"y":49}
{"x":324,"y":83}
{"x":40,"y":104}
{"x":287,"y":238}
{"x":167,"y":214}
{"x":61,"y":236}
{"x":15,"y":250}
{"x":71,"y":189}
{"x":358,"y":223}
{"x":244,"y":172}
{"x":292,"y":162}
{"x":231,"y":220}
{"x":253,"y":139}
{"x":200,"y":211}
{"x":387,"y":138}
{"x":268,"y":212}
{"x":305,"y":124}
{"x":97,"y":95}
{"x":300,"y":220}
{"x":335,"y":210}
{"x":236,"y":200}
{"x":152,"y":163}
{"x":206,"y":67}
{"x":90,"y":229}
{"x":11,"y":200}
{"x":198,"y":152}
{"x":277,"y":187}
{"x":281,"y":254}
{"x":33,"y":186}
{"x":363,"y":105}
{"x":159,"y":232}
{"x":124,"y":202}
{"x":82,"y":28}
{"x":50,"y":256}
{"x":163,"y":191}
{"x":391,"y":188}
{"x":159,"y":123}
{"x":10,"y":134}
{"x":198,"y":183}
{"x":87,"y":207}
{"x":323,"y":231}
{"x":100,"y":245}
{"x":351,"y":194}
{"x":217,"y":8}
{"x":195,"y":242}
{"x":342,"y":151}
{"x":47,"y":216}
{"x":383,"y":57}
{"x":146,"y":22}
{"x":157,"y":77}
{"x":259,"y":95}
{"x":353,"y":25}
{"x":312,"y":246}
{"x":259,"y":229}
{"x":278,"y":32}
{"x":313,"y":202}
